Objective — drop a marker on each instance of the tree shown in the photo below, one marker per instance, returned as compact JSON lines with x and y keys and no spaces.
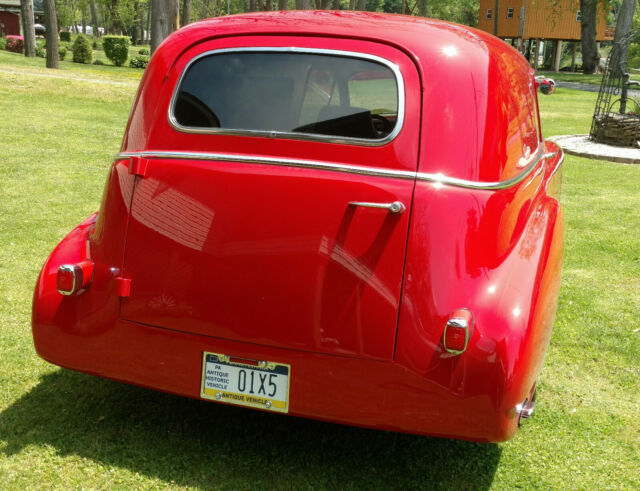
{"x":186,"y":12}
{"x":164,"y":20}
{"x":26,"y":11}
{"x":623,"y":28}
{"x":590,"y":54}
{"x":625,"y":19}
{"x":94,"y":19}
{"x":51,"y":24}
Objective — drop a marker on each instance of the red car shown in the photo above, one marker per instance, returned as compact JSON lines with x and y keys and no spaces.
{"x":350,"y":217}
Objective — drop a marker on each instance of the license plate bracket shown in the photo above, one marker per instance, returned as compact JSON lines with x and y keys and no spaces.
{"x":243,"y":382}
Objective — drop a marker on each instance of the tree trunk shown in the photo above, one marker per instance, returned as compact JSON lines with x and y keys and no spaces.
{"x":116,"y":27}
{"x":495,"y":17}
{"x":362,"y":4}
{"x":625,"y":17}
{"x":147,"y":34}
{"x":283,"y":5}
{"x":94,"y":19}
{"x":303,"y":4}
{"x":186,"y":12}
{"x":26,"y":10}
{"x":623,"y":27}
{"x":84,"y":19}
{"x":352,"y":4}
{"x":590,"y":55}
{"x":336,"y":5}
{"x":51,"y":24}
{"x":136,"y":37}
{"x":423,"y":8}
{"x":164,"y":16}
{"x":140,"y":22}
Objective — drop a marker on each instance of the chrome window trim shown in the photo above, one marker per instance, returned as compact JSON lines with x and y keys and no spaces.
{"x":293,"y":135}
{"x":439,"y":179}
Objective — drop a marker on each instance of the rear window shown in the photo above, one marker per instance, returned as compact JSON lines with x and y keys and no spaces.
{"x":314,"y":95}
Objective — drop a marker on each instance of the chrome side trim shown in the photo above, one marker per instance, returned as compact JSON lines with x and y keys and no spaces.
{"x":292,"y":135}
{"x":463,"y":183}
{"x":439,"y":179}
{"x":250,"y":159}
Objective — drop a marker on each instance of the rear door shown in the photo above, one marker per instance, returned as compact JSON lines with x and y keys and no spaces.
{"x":275,"y":204}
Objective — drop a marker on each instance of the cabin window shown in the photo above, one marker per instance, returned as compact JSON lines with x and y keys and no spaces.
{"x":316,"y":95}
{"x":510,"y":13}
{"x":579,"y":16}
{"x":489,"y":13}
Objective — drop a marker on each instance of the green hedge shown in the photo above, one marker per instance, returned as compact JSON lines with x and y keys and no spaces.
{"x":82,"y":52}
{"x":65,"y":36}
{"x":116,"y":48}
{"x":139,"y":62}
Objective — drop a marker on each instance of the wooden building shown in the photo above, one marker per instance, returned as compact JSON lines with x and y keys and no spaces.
{"x":11,"y":17}
{"x":525,"y":22}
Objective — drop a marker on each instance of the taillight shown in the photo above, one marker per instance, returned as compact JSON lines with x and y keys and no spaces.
{"x":74,"y":278}
{"x":457,"y":331}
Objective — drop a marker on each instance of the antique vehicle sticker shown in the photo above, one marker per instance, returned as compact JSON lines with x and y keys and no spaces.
{"x":264,"y":385}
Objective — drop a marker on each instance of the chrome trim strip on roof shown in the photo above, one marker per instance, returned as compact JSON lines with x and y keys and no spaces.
{"x":292,"y":135}
{"x":346,"y":168}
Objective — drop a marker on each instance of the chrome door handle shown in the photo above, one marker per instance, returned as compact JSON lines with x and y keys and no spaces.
{"x":395,"y":207}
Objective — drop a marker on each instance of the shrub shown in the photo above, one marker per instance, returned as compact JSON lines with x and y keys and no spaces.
{"x":143,"y":51}
{"x":96,"y":45}
{"x":98,"y":62}
{"x":15,"y":44}
{"x":62,"y":53}
{"x":139,"y":62}
{"x":82,"y":50}
{"x":116,"y":48}
{"x":40,"y":52}
{"x":65,"y":36}
{"x":3,"y":43}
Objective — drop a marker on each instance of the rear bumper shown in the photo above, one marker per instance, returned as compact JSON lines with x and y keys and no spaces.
{"x":358,"y":392}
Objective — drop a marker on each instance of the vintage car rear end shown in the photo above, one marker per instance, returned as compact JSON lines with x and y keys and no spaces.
{"x":348,"y":217}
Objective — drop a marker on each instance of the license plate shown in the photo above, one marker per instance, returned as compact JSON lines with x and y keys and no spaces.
{"x":260,"y":384}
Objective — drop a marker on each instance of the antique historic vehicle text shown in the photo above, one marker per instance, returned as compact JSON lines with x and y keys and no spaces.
{"x":350,"y":217}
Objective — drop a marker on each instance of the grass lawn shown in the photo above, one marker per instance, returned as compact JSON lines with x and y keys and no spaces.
{"x":66,"y":430}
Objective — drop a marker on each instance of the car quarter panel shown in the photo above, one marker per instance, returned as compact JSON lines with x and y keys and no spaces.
{"x":498,"y":254}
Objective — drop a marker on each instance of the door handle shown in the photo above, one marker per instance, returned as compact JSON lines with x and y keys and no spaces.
{"x":395,"y":207}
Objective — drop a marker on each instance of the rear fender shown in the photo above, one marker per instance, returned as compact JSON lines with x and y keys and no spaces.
{"x":499,"y":255}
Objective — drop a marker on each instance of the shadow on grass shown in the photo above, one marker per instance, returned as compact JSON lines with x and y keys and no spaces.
{"x":197,"y":443}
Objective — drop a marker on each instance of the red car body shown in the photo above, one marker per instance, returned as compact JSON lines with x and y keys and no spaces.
{"x":262,"y":246}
